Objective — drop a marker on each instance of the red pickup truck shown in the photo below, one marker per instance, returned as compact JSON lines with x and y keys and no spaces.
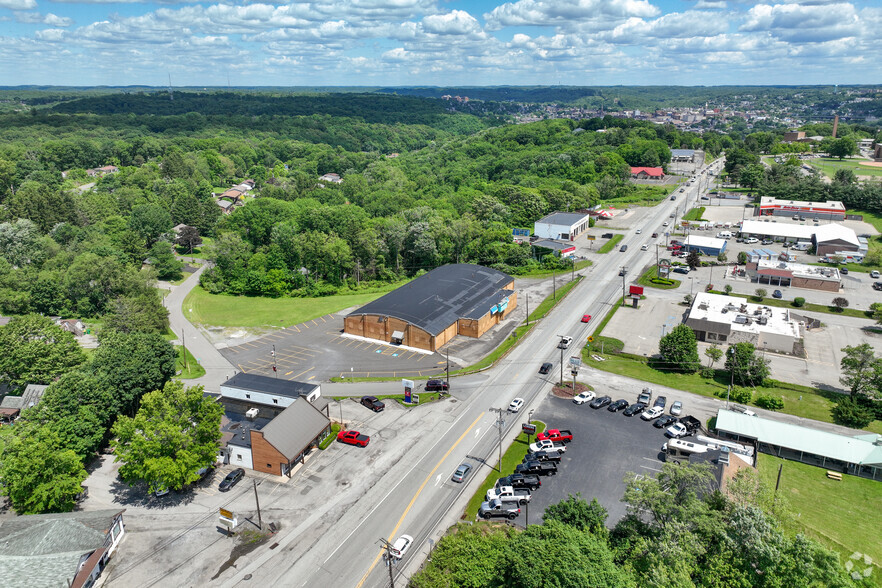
{"x":555,"y":435}
{"x":353,"y":438}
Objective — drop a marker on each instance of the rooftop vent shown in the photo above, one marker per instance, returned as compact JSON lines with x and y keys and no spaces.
{"x":252,"y":413}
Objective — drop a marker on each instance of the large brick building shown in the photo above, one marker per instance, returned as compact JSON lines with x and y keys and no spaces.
{"x":426,"y":313}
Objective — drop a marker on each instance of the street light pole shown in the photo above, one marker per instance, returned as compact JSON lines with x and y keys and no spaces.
{"x":733,"y":355}
{"x":500,"y":422}
{"x":624,"y":273}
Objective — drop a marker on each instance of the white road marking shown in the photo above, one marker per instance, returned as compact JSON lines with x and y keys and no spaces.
{"x":438,"y":480}
{"x":478,"y":432}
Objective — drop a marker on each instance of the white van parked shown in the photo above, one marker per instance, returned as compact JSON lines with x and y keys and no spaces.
{"x":724,"y":235}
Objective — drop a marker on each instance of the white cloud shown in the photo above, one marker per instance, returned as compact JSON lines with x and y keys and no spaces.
{"x":18,"y":4}
{"x":565,"y":12}
{"x":685,"y":24}
{"x":799,"y":24}
{"x":47,"y":19}
{"x":457,"y":22}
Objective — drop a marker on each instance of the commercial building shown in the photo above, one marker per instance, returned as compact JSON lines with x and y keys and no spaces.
{"x":563,"y":226}
{"x":836,"y":239}
{"x":270,"y":425}
{"x":65,"y":549}
{"x":561,"y":249}
{"x":704,"y":245}
{"x":427,"y":312}
{"x":791,"y":136}
{"x":860,"y":455}
{"x":683,"y":155}
{"x":830,"y":210}
{"x":828,"y":239}
{"x":723,"y":319}
{"x":795,"y":275}
{"x":647,"y":173}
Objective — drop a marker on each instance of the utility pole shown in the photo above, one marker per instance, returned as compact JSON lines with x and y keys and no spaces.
{"x":560,"y":337}
{"x":184,"y":345}
{"x":573,"y":278}
{"x":554,"y":285}
{"x":528,"y":309}
{"x":500,"y":422}
{"x":624,"y":273}
{"x":387,"y":557}
{"x":275,"y":371}
{"x":447,"y":351}
{"x":259,"y":521}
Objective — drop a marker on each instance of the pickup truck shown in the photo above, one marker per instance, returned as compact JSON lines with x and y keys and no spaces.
{"x":353,"y":438}
{"x":555,"y":435}
{"x":539,"y":468}
{"x":645,"y":396}
{"x":495,"y":509}
{"x":548,"y":456}
{"x":548,"y":445}
{"x":509,"y":494}
{"x":520,"y":481}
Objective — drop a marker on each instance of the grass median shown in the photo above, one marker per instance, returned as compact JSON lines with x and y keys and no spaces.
{"x":188,"y":367}
{"x":650,"y":279}
{"x":611,"y":244}
{"x":512,"y":457}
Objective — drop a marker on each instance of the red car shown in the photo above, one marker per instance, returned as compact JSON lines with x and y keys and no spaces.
{"x":586,"y":318}
{"x":353,"y":438}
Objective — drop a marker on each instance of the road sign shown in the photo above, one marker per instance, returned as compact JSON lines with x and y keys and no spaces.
{"x":226,"y":513}
{"x":590,"y":237}
{"x":575,"y":361}
{"x":528,"y":428}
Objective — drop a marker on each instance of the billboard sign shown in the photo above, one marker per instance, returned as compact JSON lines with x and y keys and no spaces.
{"x":528,"y":428}
{"x":408,"y":390}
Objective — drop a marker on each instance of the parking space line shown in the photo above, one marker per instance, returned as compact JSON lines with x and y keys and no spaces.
{"x":314,"y":323}
{"x":241,"y":369}
{"x":294,"y":327}
{"x":289,"y":373}
{"x":303,"y":372}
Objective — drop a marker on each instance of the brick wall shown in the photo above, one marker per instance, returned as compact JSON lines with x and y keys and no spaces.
{"x":265,"y":458}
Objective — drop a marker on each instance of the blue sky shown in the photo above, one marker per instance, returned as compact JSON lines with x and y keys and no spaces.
{"x":440,"y":42}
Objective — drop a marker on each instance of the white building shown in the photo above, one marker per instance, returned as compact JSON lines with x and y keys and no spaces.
{"x":729,"y":320}
{"x":829,"y":239}
{"x":563,"y":226}
{"x":256,"y":389}
{"x":777,"y":273}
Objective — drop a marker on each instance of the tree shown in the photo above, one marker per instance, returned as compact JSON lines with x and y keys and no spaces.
{"x":175,"y":433}
{"x":860,"y":368}
{"x":36,"y":351}
{"x":845,"y":177}
{"x":751,"y":176}
{"x":693,"y":260}
{"x":189,"y":238}
{"x":742,"y":257}
{"x":848,"y":412}
{"x":722,"y":257}
{"x":747,"y":368}
{"x":131,"y":314}
{"x":671,"y":498}
{"x":575,"y":512}
{"x":132,"y":364}
{"x":679,"y":350}
{"x":39,"y":474}
{"x":167,"y":266}
{"x":842,"y":147}
{"x":840,"y":303}
{"x":713,"y":355}
{"x":761,"y":293}
{"x":468,"y":556}
{"x":150,"y":221}
{"x":727,"y":289}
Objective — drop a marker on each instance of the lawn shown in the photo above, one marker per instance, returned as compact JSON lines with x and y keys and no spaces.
{"x":650,"y":279}
{"x":219,"y":310}
{"x":611,"y":244}
{"x":198,"y":252}
{"x":544,"y":273}
{"x":844,"y":516}
{"x":695,"y":214}
{"x":510,"y":459}
{"x":190,"y":368}
{"x":829,"y":165}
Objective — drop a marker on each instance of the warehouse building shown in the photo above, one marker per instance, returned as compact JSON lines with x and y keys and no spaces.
{"x":795,"y":275}
{"x":683,"y":155}
{"x":426,"y":313}
{"x":558,"y":248}
{"x":704,"y":245}
{"x":860,"y":455}
{"x":830,"y":210}
{"x":829,"y":239}
{"x":724,"y":319}
{"x":563,"y":226}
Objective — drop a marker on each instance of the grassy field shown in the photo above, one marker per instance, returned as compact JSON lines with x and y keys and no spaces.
{"x":219,"y":310}
{"x":198,"y":252}
{"x":510,"y":459}
{"x":695,"y":214}
{"x":611,"y":244}
{"x":845,"y":516}
{"x":194,"y":371}
{"x":829,"y":165}
{"x":543,"y":273}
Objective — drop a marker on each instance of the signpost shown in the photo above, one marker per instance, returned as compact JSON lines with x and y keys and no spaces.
{"x":228,"y":520}
{"x":408,"y":390}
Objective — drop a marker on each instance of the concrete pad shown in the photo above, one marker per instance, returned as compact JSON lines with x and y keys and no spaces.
{"x":641,"y":328}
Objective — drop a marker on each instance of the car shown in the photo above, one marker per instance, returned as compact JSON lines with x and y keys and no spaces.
{"x":874,"y":274}
{"x":661,"y":402}
{"x":539,"y":468}
{"x":584,"y":397}
{"x":794,"y":217}
{"x":677,"y":408}
{"x":877,"y":285}
{"x":515,"y":405}
{"x":673,"y":196}
{"x":373,"y":403}
{"x":623,"y":248}
{"x":496,"y":509}
{"x":618,"y":405}
{"x":645,"y":247}
{"x":705,"y":197}
{"x":654,"y":235}
{"x":843,"y":271}
{"x":635,"y":408}
{"x":399,"y":548}
{"x":586,"y":318}
{"x":652,"y":413}
{"x":767,"y":242}
{"x":545,"y":367}
{"x":623,"y":271}
{"x":681,"y":270}
{"x":639,"y":231}
{"x":600,"y":402}
{"x":353,"y":438}
{"x":161,"y":491}
{"x":231,"y":479}
{"x":462,"y":472}
{"x":777,"y":294}
{"x":663,"y":421}
{"x":546,"y":456}
{"x":676,"y":431}
{"x":564,"y":342}
{"x":433,"y":385}
{"x":664,"y":224}
{"x":751,"y":240}
{"x":743,"y":410}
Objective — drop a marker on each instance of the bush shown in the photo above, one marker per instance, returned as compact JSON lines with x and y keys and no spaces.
{"x":741,"y":395}
{"x":850,"y":413}
{"x":799,"y":302}
{"x":769,"y":402}
{"x":727,"y":289}
{"x":708,"y":373}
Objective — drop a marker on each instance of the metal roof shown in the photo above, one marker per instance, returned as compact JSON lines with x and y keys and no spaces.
{"x":293,"y":430}
{"x":268,"y":385}
{"x":552,"y":244}
{"x":436,"y":300}
{"x":565,"y":219}
{"x":859,"y":450}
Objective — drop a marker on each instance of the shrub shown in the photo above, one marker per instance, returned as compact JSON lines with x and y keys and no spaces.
{"x":741,"y":395}
{"x":850,"y":413}
{"x":769,"y":402}
{"x":799,"y":302}
{"x":727,"y":289}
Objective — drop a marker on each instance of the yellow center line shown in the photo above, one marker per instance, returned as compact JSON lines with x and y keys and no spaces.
{"x":415,"y":496}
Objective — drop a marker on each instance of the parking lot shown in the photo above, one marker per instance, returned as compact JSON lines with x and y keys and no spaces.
{"x":605,"y":447}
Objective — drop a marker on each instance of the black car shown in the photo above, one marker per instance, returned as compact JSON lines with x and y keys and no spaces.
{"x":660,"y":401}
{"x":550,"y":456}
{"x":539,"y":468}
{"x":433,"y":385}
{"x":231,"y":479}
{"x":520,"y":481}
{"x":635,"y":408}
{"x":623,"y":248}
{"x":546,"y":367}
{"x":843,"y":271}
{"x":777,"y":294}
{"x":600,"y":402}
{"x":877,"y":285}
{"x":681,"y":270}
{"x":617,"y":405}
{"x":664,"y":421}
{"x":372,"y":403}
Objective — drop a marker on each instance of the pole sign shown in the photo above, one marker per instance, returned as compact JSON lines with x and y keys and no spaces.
{"x":575,"y":361}
{"x":528,"y":428}
{"x":228,"y":519}
{"x":408,"y":390}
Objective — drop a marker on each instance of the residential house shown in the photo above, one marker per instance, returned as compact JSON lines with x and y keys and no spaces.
{"x":332,"y":177}
{"x":11,"y":406}
{"x":647,"y":173}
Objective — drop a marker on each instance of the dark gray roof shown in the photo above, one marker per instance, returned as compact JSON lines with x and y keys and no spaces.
{"x":682,"y":152}
{"x":552,"y":244}
{"x":436,"y":300}
{"x":566,"y":219}
{"x":274,"y":386}
{"x":295,"y":428}
{"x":45,"y":550}
{"x":30,"y":397}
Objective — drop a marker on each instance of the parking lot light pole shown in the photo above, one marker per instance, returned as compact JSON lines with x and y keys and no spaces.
{"x":560,"y":346}
{"x":731,"y":375}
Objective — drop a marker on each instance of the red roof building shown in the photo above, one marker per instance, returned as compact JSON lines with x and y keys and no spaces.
{"x":642,"y":173}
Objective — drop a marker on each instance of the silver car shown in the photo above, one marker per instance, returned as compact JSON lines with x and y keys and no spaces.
{"x":461,"y":472}
{"x":677,"y":408}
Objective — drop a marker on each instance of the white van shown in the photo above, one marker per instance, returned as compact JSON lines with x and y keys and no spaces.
{"x":803,"y":246}
{"x":724,"y":235}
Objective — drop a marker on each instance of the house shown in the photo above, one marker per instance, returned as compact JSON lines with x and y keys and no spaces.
{"x":72,"y":326}
{"x":225,"y":205}
{"x":11,"y":406}
{"x":332,"y":177}
{"x":58,"y":550}
{"x":102,"y":171}
{"x":564,"y":226}
{"x":233,"y":194}
{"x":647,"y":173}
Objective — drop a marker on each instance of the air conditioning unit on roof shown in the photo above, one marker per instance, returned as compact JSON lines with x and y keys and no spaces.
{"x":252,"y":413}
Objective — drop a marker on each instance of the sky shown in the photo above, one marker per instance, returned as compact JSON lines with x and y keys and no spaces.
{"x":439,"y":42}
